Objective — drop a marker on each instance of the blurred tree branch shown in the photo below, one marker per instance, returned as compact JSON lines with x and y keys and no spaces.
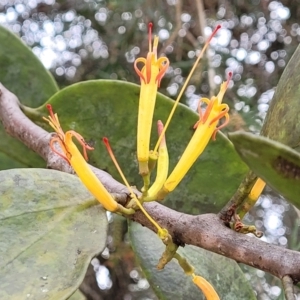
{"x":205,"y":231}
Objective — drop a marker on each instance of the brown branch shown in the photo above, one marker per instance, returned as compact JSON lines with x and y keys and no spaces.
{"x":206,"y":231}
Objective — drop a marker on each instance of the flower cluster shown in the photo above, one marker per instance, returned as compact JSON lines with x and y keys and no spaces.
{"x":150,"y":73}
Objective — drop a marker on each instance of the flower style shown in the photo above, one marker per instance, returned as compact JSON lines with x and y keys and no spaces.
{"x":73,"y":156}
{"x":151,"y":74}
{"x":206,"y":127}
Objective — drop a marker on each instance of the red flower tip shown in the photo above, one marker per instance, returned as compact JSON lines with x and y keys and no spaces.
{"x":213,"y":33}
{"x":107,"y":145}
{"x":229,"y":77}
{"x":49,"y":107}
{"x":150,"y":26}
{"x":105,"y":140}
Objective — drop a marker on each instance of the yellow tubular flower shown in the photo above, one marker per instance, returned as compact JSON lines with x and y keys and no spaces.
{"x":151,"y":75}
{"x":202,"y":283}
{"x":73,"y":156}
{"x":256,"y":190}
{"x":206,"y":128}
{"x":162,"y":167}
{"x":251,"y":199}
{"x":207,"y":289}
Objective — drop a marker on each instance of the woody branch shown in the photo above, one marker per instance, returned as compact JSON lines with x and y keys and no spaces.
{"x":206,"y":231}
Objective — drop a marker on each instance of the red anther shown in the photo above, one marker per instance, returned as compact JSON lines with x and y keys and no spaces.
{"x":150,"y":26}
{"x":111,"y":154}
{"x":49,"y":107}
{"x":229,"y":76}
{"x":51,"y":113}
{"x":107,"y":145}
{"x":105,"y":140}
{"x":213,"y":33}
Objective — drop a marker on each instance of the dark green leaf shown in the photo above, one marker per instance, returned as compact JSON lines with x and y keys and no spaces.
{"x":171,"y":283}
{"x":275,"y":163}
{"x":109,"y":108}
{"x":24,"y":75}
{"x":50,"y":229}
{"x":6,"y":162}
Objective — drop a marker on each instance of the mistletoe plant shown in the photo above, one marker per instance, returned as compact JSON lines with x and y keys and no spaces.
{"x":56,"y":224}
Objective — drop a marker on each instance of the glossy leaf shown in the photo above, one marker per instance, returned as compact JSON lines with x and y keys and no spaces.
{"x":50,"y":229}
{"x":275,"y":163}
{"x":171,"y":283}
{"x":109,"y":108}
{"x":24,"y":75}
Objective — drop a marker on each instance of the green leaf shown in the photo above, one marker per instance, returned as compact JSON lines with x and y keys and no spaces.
{"x":6,"y":162}
{"x":50,"y":229}
{"x":109,"y":108}
{"x":77,"y":296}
{"x":171,"y":283}
{"x":24,"y":75}
{"x":282,"y":122}
{"x":22,"y":72}
{"x":278,"y":165}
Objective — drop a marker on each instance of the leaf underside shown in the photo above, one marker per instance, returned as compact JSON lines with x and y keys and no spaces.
{"x":277,"y":164}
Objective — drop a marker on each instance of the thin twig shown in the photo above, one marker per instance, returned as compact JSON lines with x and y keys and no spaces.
{"x":237,"y":199}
